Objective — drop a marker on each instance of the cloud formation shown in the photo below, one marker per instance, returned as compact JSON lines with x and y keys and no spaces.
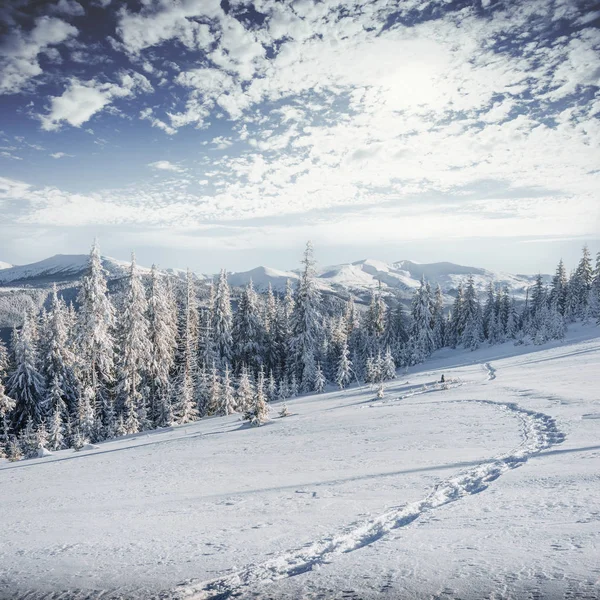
{"x":427,"y":117}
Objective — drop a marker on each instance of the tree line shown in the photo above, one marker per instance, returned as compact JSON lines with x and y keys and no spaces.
{"x":154,"y":355}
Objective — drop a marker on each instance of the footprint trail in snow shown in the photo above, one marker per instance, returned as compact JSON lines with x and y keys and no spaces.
{"x":540,"y":432}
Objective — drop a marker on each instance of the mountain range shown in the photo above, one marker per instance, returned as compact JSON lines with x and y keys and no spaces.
{"x":358,"y":278}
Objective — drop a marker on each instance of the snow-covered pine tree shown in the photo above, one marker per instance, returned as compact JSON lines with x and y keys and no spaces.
{"x":472,"y":335}
{"x":351,"y":317}
{"x":456,"y":323}
{"x":245,"y":391}
{"x":7,"y":405}
{"x":512,"y":323}
{"x":248,"y":333}
{"x":206,"y":343}
{"x":222,"y":321}
{"x":187,"y":408}
{"x":259,"y":411}
{"x":271,"y":388}
{"x":28,"y":439}
{"x":272,"y":328}
{"x":286,"y":321}
{"x":558,"y":293}
{"x":283,"y":392}
{"x":594,"y":299}
{"x":162,"y":338}
{"x":41,"y":435}
{"x":293,"y":386}
{"x":214,"y":391}
{"x":56,"y":431}
{"x":306,"y":324}
{"x":389,"y":366}
{"x":343,"y":374}
{"x":422,"y":333}
{"x":57,"y":405}
{"x":14,"y":451}
{"x":134,"y":354}
{"x":320,"y":381}
{"x":227,"y":402}
{"x":187,"y":401}
{"x":4,"y":361}
{"x":85,"y":421}
{"x":25,"y":384}
{"x":59,"y":363}
{"x":95,"y":345}
{"x":489,"y":312}
{"x":438,"y":319}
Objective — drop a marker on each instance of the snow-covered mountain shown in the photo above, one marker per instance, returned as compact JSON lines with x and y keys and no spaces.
{"x":399,"y":278}
{"x":58,"y":268}
{"x":5,"y":265}
{"x":357,"y":278}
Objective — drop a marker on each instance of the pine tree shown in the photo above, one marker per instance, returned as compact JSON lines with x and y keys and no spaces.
{"x":222,"y":320}
{"x":25,"y":384}
{"x":85,"y":422}
{"x":306,"y":323}
{"x":28,"y":439}
{"x":187,"y":408}
{"x":56,"y":433}
{"x":437,"y":317}
{"x":206,"y":343}
{"x":271,"y":388}
{"x":389,"y":366}
{"x":472,"y":335}
{"x":227,"y":402}
{"x":187,"y":402}
{"x":259,"y":411}
{"x":245,"y":392}
{"x":162,"y":337}
{"x":41,"y":435}
{"x":135,"y":355}
{"x":286,"y":317}
{"x":59,"y":361}
{"x":422,"y":333}
{"x":559,"y":288}
{"x":343,"y":374}
{"x":320,"y":381}
{"x":214,"y":392}
{"x":512,"y":325}
{"x":489,"y":312}
{"x":247,"y":330}
{"x":293,"y":386}
{"x":14,"y":452}
{"x":457,"y":319}
{"x":579,"y":286}
{"x":95,"y":336}
{"x":594,"y":295}
{"x":7,"y":405}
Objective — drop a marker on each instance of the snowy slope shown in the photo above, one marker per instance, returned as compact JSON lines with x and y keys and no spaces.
{"x":261,"y":277}
{"x":487,"y":489}
{"x":5,"y":265}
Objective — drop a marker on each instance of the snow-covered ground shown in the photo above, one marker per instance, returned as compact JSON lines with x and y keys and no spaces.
{"x":487,"y":489}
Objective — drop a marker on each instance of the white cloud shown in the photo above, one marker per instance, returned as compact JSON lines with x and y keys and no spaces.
{"x":83,"y":99}
{"x":60,"y":155}
{"x":69,"y":7}
{"x":165,"y":165}
{"x":161,"y":21}
{"x":19,"y":51}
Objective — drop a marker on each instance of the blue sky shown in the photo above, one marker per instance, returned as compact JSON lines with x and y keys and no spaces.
{"x":207,"y":134}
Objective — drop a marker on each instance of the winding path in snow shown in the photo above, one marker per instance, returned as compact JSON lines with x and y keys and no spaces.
{"x":539,"y":432}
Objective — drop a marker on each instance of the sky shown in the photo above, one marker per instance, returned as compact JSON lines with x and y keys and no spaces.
{"x":210,"y":134}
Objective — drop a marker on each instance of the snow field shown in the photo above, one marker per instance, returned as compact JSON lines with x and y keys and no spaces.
{"x":357,"y":497}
